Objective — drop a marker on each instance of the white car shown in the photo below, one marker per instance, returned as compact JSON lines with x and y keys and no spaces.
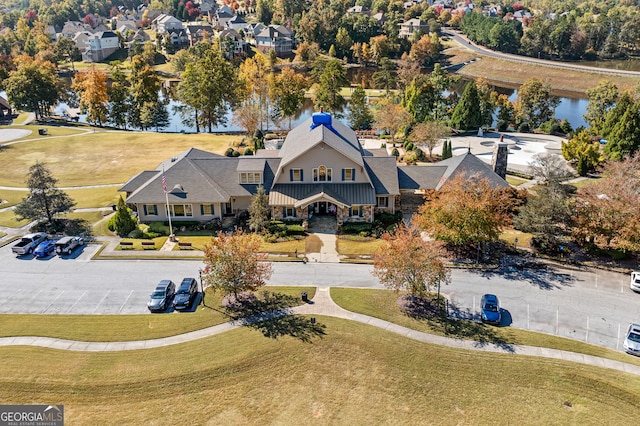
{"x":631,"y":343}
{"x":635,"y":281}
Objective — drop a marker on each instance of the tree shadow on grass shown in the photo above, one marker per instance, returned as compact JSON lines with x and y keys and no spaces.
{"x":458,"y":324}
{"x":270,"y":314}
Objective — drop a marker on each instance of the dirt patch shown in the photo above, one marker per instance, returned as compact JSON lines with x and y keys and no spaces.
{"x":313,"y":244}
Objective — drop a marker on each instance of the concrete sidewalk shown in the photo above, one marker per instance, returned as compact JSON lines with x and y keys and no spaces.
{"x":323,"y":305}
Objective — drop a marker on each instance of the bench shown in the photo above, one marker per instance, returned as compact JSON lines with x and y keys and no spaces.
{"x":126,"y":245}
{"x":184,"y":246}
{"x":148,"y":245}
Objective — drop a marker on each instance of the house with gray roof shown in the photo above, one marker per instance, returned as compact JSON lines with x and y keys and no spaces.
{"x":321,"y":169}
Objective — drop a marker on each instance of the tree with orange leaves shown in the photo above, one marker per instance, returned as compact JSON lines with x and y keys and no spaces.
{"x":92,"y":89}
{"x":466,"y":210}
{"x":233,"y":263}
{"x":405,"y":261}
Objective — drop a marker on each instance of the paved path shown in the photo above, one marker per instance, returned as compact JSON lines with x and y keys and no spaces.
{"x":322,"y":304}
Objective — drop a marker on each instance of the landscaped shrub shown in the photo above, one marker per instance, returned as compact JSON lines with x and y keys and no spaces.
{"x":229,"y":152}
{"x":356,"y":228}
{"x":389,"y":218}
{"x":524,"y":128}
{"x":136,"y":233}
{"x":248,"y":151}
{"x":159,"y":228}
{"x":395,"y":152}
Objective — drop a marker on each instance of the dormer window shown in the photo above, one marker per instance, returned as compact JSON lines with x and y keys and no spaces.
{"x":248,"y":178}
{"x":322,"y":174}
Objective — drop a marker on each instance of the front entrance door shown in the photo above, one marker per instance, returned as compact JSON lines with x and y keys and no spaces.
{"x":322,"y":206}
{"x":228,"y":210}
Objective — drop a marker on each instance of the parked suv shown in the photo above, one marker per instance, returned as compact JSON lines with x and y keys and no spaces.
{"x":186,"y":294}
{"x":162,"y":296}
{"x":635,"y":281}
{"x":66,"y":245}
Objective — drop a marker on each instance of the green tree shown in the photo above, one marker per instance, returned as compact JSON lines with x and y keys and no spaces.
{"x":123,"y":222}
{"x":547,"y":213}
{"x":360,"y":116}
{"x":33,"y":86}
{"x":384,"y":77}
{"x":343,"y":43}
{"x":119,"y":97}
{"x":601,"y":99}
{"x":44,"y":199}
{"x":420,"y":99}
{"x":535,"y":103}
{"x":467,"y":114}
{"x":233,"y":263}
{"x":65,"y":50}
{"x":624,"y":138}
{"x":259,"y":211}
{"x":288,"y":91}
{"x":144,"y":88}
{"x":254,"y":76}
{"x":405,"y":261}
{"x":583,"y":152}
{"x":327,"y":93}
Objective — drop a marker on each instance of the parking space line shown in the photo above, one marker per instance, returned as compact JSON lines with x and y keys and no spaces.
{"x":125,"y":302}
{"x":35,"y":297}
{"x":54,"y":301}
{"x":10,"y":296}
{"x":102,"y":300}
{"x":74,"y":303}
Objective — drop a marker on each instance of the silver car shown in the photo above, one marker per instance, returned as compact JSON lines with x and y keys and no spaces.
{"x":635,"y":281}
{"x":631,"y":343}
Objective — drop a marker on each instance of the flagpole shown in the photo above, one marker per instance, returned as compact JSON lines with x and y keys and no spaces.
{"x":166,"y":197}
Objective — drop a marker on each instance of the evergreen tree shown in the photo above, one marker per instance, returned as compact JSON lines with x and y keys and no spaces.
{"x":259,"y":211}
{"x":124,"y":223}
{"x":467,"y":114}
{"x":624,"y":138}
{"x":360,"y":116}
{"x":332,"y":79}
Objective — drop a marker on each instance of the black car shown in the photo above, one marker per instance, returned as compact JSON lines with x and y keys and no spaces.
{"x":162,"y":296}
{"x":186,"y":294}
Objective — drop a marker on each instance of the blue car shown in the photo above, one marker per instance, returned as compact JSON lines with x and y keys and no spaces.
{"x":45,"y":248}
{"x":490,"y":309}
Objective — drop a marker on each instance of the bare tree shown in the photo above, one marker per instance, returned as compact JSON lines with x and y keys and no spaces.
{"x":550,"y":168}
{"x":429,"y":134}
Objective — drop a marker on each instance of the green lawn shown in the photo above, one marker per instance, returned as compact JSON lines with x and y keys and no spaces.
{"x":514,"y":180}
{"x":8,"y":219}
{"x":137,"y":243}
{"x":21,"y":117}
{"x":357,"y":248}
{"x":351,"y":374}
{"x":51,"y":131}
{"x":101,"y":157}
{"x":115,"y":328}
{"x":524,"y":238}
{"x":382,"y":304}
{"x":12,"y":197}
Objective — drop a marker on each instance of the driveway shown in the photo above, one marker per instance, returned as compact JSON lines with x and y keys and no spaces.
{"x":591,"y":306}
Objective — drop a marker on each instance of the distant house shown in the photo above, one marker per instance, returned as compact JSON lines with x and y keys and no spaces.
{"x":321,"y":169}
{"x":276,"y":37}
{"x":253,"y":29}
{"x":163,"y":24}
{"x":6,"y":112}
{"x":236,"y":23}
{"x":140,"y":36}
{"x":380,"y":17}
{"x":221,"y":17}
{"x":236,"y":39}
{"x":196,"y":32}
{"x":411,"y":26}
{"x":71,"y":28}
{"x":123,"y":26}
{"x":358,"y":10}
{"x":207,"y":7}
{"x":100,"y":45}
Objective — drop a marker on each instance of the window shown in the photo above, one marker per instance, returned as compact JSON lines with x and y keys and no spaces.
{"x":288,"y":212}
{"x":181,"y":210}
{"x":150,"y":210}
{"x":382,"y":201}
{"x":348,"y":174}
{"x":251,"y":177}
{"x":322,"y":174}
{"x":207,"y":210}
{"x":295,"y":175}
{"x":355,"y":211}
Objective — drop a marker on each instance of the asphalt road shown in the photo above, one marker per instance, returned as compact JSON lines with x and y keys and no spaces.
{"x":518,"y":58}
{"x":592,"y":306}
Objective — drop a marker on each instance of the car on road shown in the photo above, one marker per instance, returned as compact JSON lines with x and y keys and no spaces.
{"x":162,"y":296}
{"x":631,"y":343}
{"x":490,"y":309}
{"x":185,"y":294}
{"x":66,"y":245}
{"x":45,"y":248}
{"x":635,"y":281}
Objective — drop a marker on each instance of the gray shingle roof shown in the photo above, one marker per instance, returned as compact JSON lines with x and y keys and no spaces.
{"x":344,"y":193}
{"x":420,"y":177}
{"x":138,"y":180}
{"x":383,"y":173}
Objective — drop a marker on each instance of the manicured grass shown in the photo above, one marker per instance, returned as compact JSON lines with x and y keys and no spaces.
{"x":12,"y":197}
{"x":513,"y":74}
{"x":514,"y":180}
{"x":137,"y":243}
{"x":357,"y":248}
{"x":51,"y":131}
{"x":94,"y":197}
{"x":382,"y":304}
{"x":353,"y":374}
{"x":583,"y":182}
{"x":117,"y":328}
{"x":8,"y":219}
{"x":288,"y":247}
{"x":102,"y":157}
{"x":197,"y":242}
{"x":509,"y":236}
{"x":2,"y":234}
{"x":21,"y":117}
{"x":100,"y":228}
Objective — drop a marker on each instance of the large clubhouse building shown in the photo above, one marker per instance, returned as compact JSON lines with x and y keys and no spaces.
{"x":321,"y":169}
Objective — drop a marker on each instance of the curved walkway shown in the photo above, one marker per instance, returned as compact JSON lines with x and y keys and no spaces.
{"x":322,"y":304}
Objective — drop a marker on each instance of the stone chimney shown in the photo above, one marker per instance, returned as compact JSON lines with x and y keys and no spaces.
{"x":499,"y":160}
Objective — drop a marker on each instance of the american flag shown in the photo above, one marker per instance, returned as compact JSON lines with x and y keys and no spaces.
{"x":164,"y":182}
